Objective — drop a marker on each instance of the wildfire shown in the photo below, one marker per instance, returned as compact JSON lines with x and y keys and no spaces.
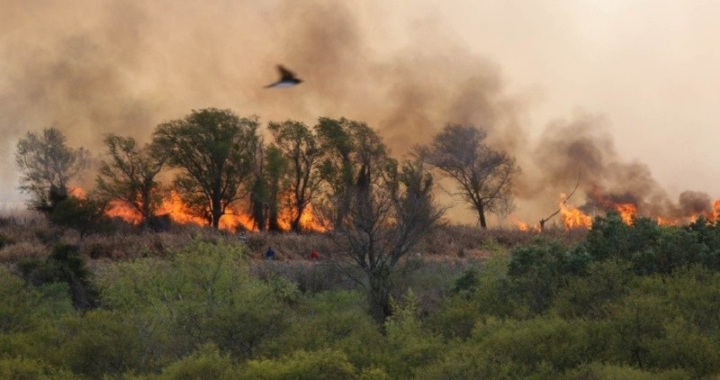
{"x":233,"y":219}
{"x":573,"y":217}
{"x":522,"y":226}
{"x":308,"y":221}
{"x":627,"y":212}
{"x":77,"y":192}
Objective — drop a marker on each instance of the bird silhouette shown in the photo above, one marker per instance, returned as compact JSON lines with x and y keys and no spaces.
{"x":287,"y":79}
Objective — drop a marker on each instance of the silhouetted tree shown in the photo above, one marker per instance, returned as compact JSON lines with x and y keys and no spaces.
{"x":353,"y":159}
{"x":484,"y":176}
{"x":380,"y":224}
{"x":128,"y":175}
{"x":85,"y":215}
{"x":300,"y":147}
{"x":215,"y":150}
{"x":47,"y":165}
{"x":276,"y":179}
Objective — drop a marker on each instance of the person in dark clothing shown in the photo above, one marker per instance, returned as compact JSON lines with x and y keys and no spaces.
{"x":270,"y":254}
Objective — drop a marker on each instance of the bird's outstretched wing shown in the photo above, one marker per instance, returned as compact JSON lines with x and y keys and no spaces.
{"x":285,"y":74}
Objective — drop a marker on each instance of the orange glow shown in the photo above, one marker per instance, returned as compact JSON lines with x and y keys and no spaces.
{"x":309,"y":222}
{"x":522,"y":226}
{"x":77,"y":192}
{"x":665,"y":222}
{"x":124,"y":211}
{"x":573,"y":217}
{"x":233,"y":219}
{"x":627,"y":212}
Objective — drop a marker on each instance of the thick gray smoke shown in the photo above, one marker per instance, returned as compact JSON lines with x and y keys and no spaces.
{"x":584,"y":147}
{"x":91,"y":68}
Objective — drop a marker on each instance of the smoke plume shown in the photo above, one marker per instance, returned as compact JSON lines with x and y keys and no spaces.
{"x":113,"y":66}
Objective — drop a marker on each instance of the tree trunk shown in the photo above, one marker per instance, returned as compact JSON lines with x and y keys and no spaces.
{"x":216,"y":213}
{"x":295,"y":222}
{"x":273,"y":223}
{"x":481,"y":217}
{"x":380,"y":294}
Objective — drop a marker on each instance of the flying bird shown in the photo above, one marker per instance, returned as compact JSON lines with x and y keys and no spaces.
{"x":287,"y":78}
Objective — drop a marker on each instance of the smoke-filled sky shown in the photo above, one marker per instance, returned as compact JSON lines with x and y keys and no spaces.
{"x":626,"y":90}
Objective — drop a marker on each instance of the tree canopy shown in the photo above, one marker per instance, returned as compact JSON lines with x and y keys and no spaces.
{"x":47,"y":165}
{"x":214,"y":149}
{"x":483,"y":175}
{"x":128,"y":174}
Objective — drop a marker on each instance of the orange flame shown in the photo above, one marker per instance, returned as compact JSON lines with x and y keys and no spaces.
{"x":573,"y":217}
{"x":627,"y":212}
{"x":77,"y":192}
{"x":233,"y":219}
{"x":522,"y":226}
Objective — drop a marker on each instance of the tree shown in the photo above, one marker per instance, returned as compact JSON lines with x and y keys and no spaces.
{"x":270,"y":182}
{"x":353,"y":159}
{"x":299,"y":146}
{"x":483,"y":175}
{"x":85,"y":215}
{"x":380,"y":224}
{"x":47,"y":165}
{"x":258,"y":187}
{"x":276,"y":173}
{"x":214,"y":149}
{"x":128,"y":175}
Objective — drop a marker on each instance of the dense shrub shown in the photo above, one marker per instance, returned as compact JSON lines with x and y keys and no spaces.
{"x":64,"y":265}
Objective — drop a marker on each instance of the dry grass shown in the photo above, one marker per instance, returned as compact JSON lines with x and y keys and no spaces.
{"x":23,"y":250}
{"x":29,"y":236}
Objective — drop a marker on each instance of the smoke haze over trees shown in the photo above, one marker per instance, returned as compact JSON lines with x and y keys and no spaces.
{"x":120,"y":67}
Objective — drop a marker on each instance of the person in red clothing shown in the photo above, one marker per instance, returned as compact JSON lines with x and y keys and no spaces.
{"x":314,"y":255}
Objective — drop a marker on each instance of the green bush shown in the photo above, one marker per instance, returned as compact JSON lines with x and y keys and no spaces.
{"x":86,"y":216}
{"x":19,"y":368}
{"x":302,"y":365}
{"x":538,"y":271}
{"x":597,"y":371}
{"x":64,"y":265}
{"x":103,"y":343}
{"x":202,"y":294}
{"x":205,"y":363}
{"x":337,"y":320}
{"x":590,"y":296}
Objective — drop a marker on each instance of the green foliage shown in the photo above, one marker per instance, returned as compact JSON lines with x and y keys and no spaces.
{"x":202,"y":294}
{"x":216,"y":151}
{"x":103,"y":343}
{"x":590,"y":296}
{"x":549,"y":311}
{"x":205,"y":363}
{"x":597,"y":371}
{"x":19,"y":368}
{"x":302,"y":365}
{"x":538,"y":271}
{"x":468,"y":281}
{"x":411,"y":345}
{"x":334,"y":319}
{"x":64,"y":265}
{"x":17,"y":303}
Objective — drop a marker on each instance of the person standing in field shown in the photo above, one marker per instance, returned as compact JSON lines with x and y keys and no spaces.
{"x":314,"y":255}
{"x":270,"y":254}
